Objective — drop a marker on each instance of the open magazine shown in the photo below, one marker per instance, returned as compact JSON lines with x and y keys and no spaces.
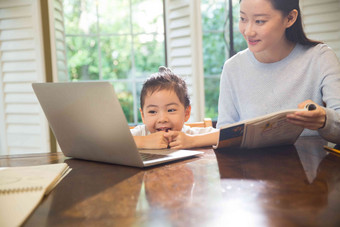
{"x":268,"y":130}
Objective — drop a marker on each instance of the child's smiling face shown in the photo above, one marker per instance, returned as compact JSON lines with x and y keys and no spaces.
{"x":163,"y":111}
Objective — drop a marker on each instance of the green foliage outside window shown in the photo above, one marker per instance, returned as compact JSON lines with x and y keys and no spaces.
{"x":107,"y":41}
{"x":216,"y":47}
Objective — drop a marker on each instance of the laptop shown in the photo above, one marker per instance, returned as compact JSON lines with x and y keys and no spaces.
{"x":88,"y":122}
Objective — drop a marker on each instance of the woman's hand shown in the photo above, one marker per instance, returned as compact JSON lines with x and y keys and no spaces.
{"x":312,"y":119}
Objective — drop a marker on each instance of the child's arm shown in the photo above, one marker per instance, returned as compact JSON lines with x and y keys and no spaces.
{"x":152,"y":141}
{"x":180,"y":140}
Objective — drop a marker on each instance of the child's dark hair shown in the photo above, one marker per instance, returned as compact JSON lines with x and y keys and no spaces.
{"x":165,"y":79}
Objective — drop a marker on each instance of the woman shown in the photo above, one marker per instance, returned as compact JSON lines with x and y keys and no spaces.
{"x":281,"y":69}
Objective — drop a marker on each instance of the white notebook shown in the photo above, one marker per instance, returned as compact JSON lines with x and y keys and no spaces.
{"x":22,"y":188}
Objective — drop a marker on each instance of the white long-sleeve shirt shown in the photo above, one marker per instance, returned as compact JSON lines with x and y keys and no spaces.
{"x":249,"y":88}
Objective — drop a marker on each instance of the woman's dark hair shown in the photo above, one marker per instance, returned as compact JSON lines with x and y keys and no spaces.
{"x":295,"y":33}
{"x":165,"y":79}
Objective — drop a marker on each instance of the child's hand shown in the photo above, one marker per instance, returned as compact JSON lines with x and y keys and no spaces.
{"x":153,"y":141}
{"x":313,"y":119}
{"x":178,"y":140}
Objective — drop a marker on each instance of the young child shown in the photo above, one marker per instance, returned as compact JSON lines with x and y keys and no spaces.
{"x":165,"y":107}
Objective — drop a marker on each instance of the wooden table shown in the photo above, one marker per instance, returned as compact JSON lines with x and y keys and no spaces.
{"x":284,"y":186}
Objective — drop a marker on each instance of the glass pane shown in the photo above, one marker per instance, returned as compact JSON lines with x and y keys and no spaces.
{"x":211,"y":89}
{"x":149,"y":53}
{"x":116,"y":57}
{"x":213,"y":14}
{"x":80,"y":16}
{"x":123,"y":56}
{"x":239,"y":41}
{"x":125,"y":97}
{"x":139,"y":86}
{"x":147,"y":16}
{"x":114,"y":16}
{"x":82,"y":58}
{"x":214,"y":53}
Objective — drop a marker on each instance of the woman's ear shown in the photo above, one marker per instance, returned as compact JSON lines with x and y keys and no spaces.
{"x":291,"y":18}
{"x":187,"y":113}
{"x":142,"y":115}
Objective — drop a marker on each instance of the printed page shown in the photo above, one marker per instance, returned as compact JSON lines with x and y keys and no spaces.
{"x":230,"y":136}
{"x":274,"y":130}
{"x":267,"y":130}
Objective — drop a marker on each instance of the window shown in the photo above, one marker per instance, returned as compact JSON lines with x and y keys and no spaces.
{"x":121,"y":41}
{"x":221,"y":39}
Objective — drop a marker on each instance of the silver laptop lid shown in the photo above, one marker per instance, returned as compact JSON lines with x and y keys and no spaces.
{"x":88,"y":122}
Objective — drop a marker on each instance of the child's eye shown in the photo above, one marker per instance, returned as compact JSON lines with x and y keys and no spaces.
{"x":152,"y":111}
{"x":171,"y":110}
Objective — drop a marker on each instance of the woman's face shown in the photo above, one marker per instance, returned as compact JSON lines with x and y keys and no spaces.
{"x":263,"y":27}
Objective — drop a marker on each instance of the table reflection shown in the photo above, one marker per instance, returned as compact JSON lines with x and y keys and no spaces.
{"x":297,"y":185}
{"x":92,"y":192}
{"x":281,"y":185}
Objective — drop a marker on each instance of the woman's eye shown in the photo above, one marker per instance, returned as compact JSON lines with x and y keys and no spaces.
{"x":260,"y":21}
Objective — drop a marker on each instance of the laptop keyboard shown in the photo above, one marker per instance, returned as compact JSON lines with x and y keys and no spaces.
{"x":148,"y":156}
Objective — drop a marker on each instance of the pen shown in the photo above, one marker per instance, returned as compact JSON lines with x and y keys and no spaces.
{"x":332,"y":149}
{"x":310,"y":106}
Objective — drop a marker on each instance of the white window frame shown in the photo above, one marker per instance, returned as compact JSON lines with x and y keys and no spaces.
{"x":184,"y":49}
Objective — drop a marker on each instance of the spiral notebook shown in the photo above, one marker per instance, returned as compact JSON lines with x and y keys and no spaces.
{"x":22,"y":188}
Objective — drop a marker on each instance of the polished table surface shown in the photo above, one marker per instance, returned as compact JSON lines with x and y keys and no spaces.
{"x":284,"y":186}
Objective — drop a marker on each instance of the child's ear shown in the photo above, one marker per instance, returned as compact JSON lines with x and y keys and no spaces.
{"x":142,"y":115}
{"x":187,"y":113}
